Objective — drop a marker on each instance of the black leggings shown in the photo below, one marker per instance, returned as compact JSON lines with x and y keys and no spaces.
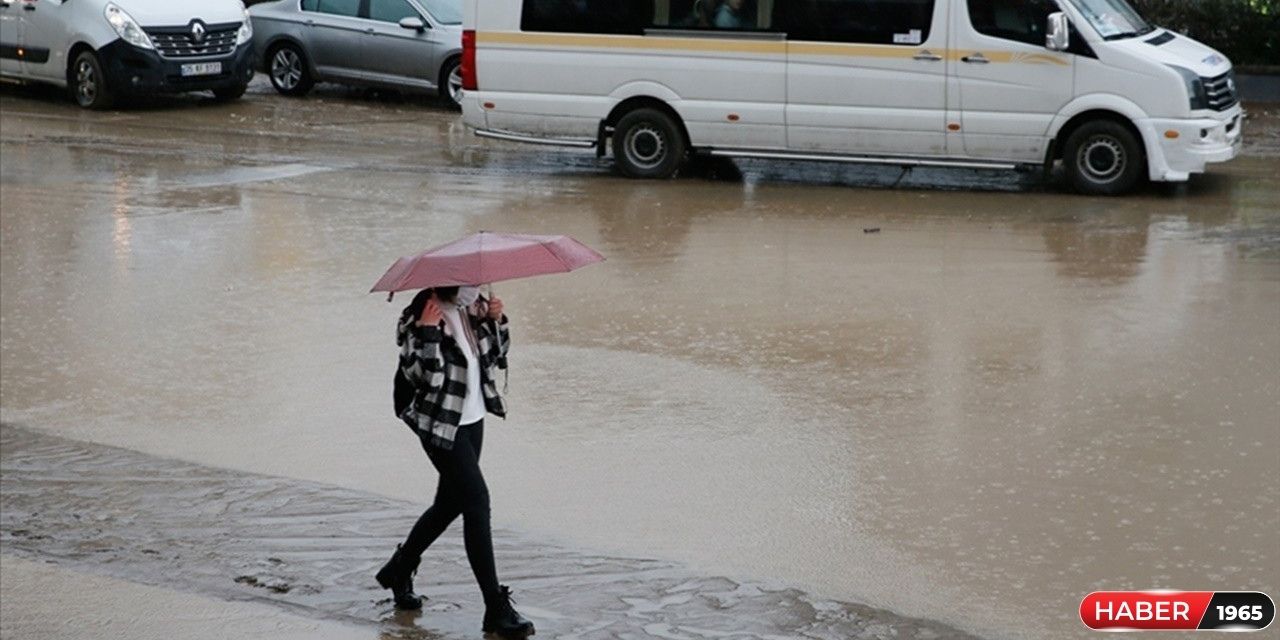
{"x":461,"y":491}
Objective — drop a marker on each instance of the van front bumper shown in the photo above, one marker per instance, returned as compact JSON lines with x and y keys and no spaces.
{"x":131,"y":70}
{"x":1177,"y":148}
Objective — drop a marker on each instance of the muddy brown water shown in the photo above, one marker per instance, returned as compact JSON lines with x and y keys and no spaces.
{"x":1006,"y":398}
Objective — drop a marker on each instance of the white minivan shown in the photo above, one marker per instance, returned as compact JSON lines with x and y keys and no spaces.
{"x":101,"y":49}
{"x":968,"y":83}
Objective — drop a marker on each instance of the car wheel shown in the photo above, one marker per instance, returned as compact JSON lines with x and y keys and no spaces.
{"x":289,"y":72}
{"x":89,"y":84}
{"x":450,"y":86}
{"x":233,"y":92}
{"x":1103,"y":158}
{"x":647,"y":143}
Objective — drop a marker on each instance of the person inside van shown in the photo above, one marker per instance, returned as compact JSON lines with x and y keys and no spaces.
{"x":701,"y":14}
{"x":732,"y":15}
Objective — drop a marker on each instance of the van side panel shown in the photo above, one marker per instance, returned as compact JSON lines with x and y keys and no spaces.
{"x":1007,"y":103}
{"x":870,"y":98}
{"x":730,"y":92}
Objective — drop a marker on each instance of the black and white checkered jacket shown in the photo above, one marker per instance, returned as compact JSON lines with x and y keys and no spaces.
{"x":435,"y":368}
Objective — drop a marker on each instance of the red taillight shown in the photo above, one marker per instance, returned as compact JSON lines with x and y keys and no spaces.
{"x":469,"y":60}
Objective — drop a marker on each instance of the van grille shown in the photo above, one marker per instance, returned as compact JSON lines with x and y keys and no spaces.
{"x":179,"y":42}
{"x":1221,"y":91}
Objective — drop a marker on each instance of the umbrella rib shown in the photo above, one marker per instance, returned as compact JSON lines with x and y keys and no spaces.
{"x":563,"y":263}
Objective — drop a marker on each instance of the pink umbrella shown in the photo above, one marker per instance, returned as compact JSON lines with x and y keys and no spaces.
{"x":484,"y":258}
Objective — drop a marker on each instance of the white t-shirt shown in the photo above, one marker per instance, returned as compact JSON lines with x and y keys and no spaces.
{"x":473,"y":409}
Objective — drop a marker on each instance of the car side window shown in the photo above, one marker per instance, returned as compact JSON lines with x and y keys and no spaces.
{"x":309,"y":5}
{"x":1018,"y":20}
{"x":391,"y":10}
{"x":349,"y":8}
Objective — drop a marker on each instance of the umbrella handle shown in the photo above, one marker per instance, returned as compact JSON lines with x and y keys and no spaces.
{"x":497,"y":335}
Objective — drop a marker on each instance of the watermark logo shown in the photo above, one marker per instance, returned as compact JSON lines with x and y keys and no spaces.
{"x":1177,"y":610}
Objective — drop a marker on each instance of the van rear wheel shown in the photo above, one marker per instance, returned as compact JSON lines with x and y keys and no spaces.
{"x":647,"y":143}
{"x":1103,"y":158}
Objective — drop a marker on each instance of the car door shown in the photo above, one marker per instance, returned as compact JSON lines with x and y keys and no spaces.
{"x":866,"y":76}
{"x":335,"y":35}
{"x":1010,"y":85}
{"x":43,"y":37}
{"x":394,"y":54}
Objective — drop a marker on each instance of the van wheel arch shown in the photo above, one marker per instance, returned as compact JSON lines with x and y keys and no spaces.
{"x":648,"y":137}
{"x":1093,"y":120}
{"x":72,"y":54}
{"x":631,"y":104}
{"x":1056,"y":145}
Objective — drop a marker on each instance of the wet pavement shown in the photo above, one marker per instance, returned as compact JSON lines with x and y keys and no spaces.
{"x":962,"y":396}
{"x":312,"y":547}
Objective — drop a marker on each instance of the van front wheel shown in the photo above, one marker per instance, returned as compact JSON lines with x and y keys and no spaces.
{"x":647,"y":143}
{"x":1103,"y":158}
{"x":89,"y":84}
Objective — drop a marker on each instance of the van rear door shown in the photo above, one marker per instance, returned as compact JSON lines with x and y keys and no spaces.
{"x":866,"y":76}
{"x":1010,"y":85}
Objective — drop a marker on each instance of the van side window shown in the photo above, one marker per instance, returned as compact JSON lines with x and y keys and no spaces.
{"x":391,"y":10}
{"x":1018,"y":20}
{"x":632,"y":17}
{"x":900,"y":22}
{"x":586,"y":16}
{"x":309,"y":5}
{"x":339,"y":7}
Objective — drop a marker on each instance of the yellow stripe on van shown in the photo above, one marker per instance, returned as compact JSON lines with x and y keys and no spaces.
{"x":853,"y":50}
{"x":730,"y":45}
{"x":649,"y":43}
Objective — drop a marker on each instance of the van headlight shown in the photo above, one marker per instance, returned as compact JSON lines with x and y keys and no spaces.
{"x":1195,"y":87}
{"x":126,"y":27}
{"x":245,"y":33}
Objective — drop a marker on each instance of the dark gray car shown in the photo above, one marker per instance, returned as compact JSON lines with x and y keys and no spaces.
{"x":403,"y":44}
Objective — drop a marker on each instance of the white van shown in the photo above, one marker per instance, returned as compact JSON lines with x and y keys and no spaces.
{"x":969,"y":83}
{"x":100,"y":49}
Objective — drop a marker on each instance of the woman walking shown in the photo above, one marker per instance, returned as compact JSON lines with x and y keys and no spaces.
{"x":452,"y":342}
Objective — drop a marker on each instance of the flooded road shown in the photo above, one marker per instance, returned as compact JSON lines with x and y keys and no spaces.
{"x":972,"y":398}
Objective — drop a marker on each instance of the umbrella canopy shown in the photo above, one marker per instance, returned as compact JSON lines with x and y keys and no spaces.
{"x":486,"y":257}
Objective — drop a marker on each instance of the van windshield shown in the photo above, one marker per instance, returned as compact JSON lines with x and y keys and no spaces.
{"x":1114,"y":19}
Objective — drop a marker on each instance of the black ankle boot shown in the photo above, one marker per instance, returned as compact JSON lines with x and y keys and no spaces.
{"x":397,"y":575}
{"x":501,"y":618}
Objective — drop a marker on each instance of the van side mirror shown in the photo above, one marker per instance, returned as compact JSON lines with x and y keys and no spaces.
{"x":1058,"y":36}
{"x":413,"y":23}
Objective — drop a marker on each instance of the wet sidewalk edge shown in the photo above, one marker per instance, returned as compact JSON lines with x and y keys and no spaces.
{"x":312,"y":549}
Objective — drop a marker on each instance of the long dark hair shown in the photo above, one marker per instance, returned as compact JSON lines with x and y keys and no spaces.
{"x":444,"y":294}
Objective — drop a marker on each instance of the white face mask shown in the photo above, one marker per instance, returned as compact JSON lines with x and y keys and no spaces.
{"x":467,"y":296}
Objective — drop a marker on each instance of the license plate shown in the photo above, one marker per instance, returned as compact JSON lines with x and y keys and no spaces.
{"x":202,"y":69}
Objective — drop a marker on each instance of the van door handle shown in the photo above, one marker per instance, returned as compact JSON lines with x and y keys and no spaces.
{"x":927,"y":56}
{"x":976,"y":58}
